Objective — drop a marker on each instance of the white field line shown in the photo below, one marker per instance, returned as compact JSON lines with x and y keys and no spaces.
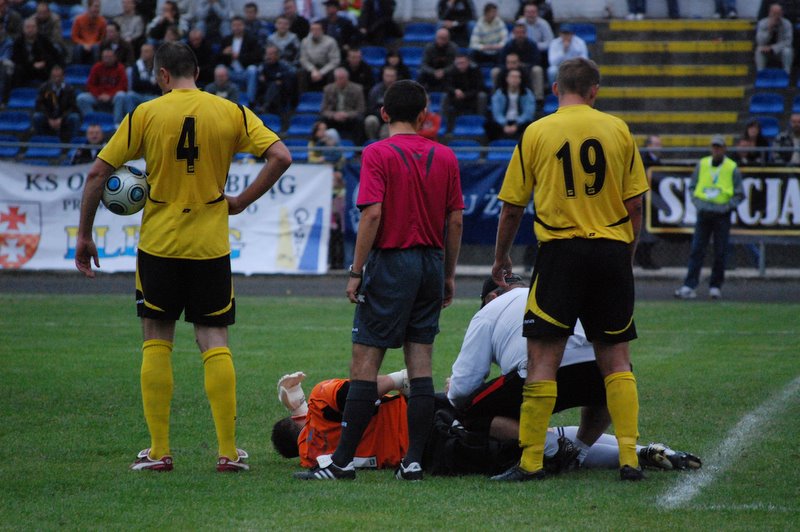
{"x":742,"y":435}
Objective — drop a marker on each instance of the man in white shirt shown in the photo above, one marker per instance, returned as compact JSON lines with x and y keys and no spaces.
{"x":538,"y":29}
{"x":566,"y":46}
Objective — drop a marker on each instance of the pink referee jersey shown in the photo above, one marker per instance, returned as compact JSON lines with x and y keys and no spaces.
{"x":418,"y":184}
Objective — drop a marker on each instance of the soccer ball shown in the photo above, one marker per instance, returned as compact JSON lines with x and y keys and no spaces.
{"x":125,"y":191}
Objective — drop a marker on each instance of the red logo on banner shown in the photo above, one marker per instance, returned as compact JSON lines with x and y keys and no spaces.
{"x":20,"y":232}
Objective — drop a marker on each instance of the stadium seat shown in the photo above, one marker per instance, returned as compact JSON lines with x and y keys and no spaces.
{"x":771,"y":78}
{"x":244,"y":157}
{"x":104,"y":120}
{"x":769,"y":126}
{"x":22,"y":98}
{"x":469,"y":126}
{"x":300,"y":125}
{"x":436,"y":101}
{"x":470,"y":155}
{"x":66,"y":27}
{"x":412,"y":55}
{"x":487,"y":78}
{"x":419,"y":32}
{"x":77,"y":74}
{"x":502,"y":155}
{"x":271,"y":121}
{"x":309,"y":102}
{"x":796,"y":105}
{"x":587,"y":32}
{"x":14,"y":121}
{"x":298,"y":148}
{"x":550,"y":104}
{"x":374,"y":56}
{"x":766,"y":102}
{"x":43,"y":152}
{"x":7,"y":151}
{"x":348,"y":154}
{"x":244,"y":99}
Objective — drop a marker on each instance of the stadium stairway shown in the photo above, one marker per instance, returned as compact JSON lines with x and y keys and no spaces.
{"x":684,"y":80}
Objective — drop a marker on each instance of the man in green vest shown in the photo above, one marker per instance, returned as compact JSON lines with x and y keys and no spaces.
{"x":716,"y":189}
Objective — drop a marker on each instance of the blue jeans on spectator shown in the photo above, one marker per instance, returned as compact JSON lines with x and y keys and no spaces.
{"x":247,"y":79}
{"x":87,"y":103}
{"x":709,"y":224}
{"x":70,"y":125}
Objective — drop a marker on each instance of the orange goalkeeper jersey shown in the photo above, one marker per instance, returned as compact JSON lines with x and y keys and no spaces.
{"x":385,"y":439}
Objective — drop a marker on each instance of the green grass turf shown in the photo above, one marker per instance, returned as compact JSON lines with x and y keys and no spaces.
{"x":71,"y":422}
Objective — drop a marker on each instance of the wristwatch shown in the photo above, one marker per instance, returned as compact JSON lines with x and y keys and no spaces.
{"x":354,"y":274}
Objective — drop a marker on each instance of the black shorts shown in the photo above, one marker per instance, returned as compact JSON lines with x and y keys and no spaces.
{"x":402,"y":294}
{"x":582,"y":278}
{"x":578,"y":385}
{"x":203,"y":288}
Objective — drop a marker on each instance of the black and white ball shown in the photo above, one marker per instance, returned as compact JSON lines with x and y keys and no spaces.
{"x":125,"y":191}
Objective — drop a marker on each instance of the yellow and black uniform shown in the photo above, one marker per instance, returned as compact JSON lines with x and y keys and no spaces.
{"x":580,"y":165}
{"x":187,"y":138}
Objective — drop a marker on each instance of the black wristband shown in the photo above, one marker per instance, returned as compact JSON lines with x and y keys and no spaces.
{"x":354,"y":274}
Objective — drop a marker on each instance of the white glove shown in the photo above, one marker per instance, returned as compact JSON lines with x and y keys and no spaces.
{"x":290,"y":393}
{"x":400,"y":381}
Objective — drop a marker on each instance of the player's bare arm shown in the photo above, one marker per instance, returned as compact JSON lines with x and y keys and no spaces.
{"x":452,"y":246}
{"x":278,"y":160}
{"x":507,"y":227}
{"x":367,"y":231}
{"x":85,"y":249}
{"x":634,"y":208}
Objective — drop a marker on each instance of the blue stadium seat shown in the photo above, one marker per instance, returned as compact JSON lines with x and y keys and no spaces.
{"x":503,"y":155}
{"x":298,"y":148}
{"x":309,"y":102}
{"x":412,"y":55}
{"x":8,"y":152}
{"x":771,"y":78}
{"x":244,"y":100}
{"x":348,"y":154}
{"x":436,"y":101}
{"x":469,"y":126}
{"x":769,"y":126}
{"x":43,"y":152}
{"x":419,"y":32}
{"x":796,"y":104}
{"x":587,"y":32}
{"x":14,"y":121}
{"x":766,"y":102}
{"x":104,"y":120}
{"x":77,"y":74}
{"x":466,"y":155}
{"x":487,"y":78}
{"x":374,"y":56}
{"x":271,"y":121}
{"x":66,"y":27}
{"x":22,"y":98}
{"x":244,"y":157}
{"x":550,"y":104}
{"x":300,"y":125}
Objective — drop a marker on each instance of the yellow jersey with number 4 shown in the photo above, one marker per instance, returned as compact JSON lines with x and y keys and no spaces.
{"x":188,"y":139}
{"x":580,"y":164}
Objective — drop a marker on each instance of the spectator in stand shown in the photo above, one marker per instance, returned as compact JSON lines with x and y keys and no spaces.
{"x":48,"y":25}
{"x":286,"y":41}
{"x":437,"y":58}
{"x":511,"y":62}
{"x":395,"y":60}
{"x":10,"y":29}
{"x":324,"y":137}
{"x":319,"y":55}
{"x":205,"y":56}
{"x":276,"y":83}
{"x":751,"y":138}
{"x":377,"y":24}
{"x":10,"y":23}
{"x":774,"y":36}
{"x":241,"y":54}
{"x":170,"y":16}
{"x":33,"y":56}
{"x":538,"y":29}
{"x":513,"y":108}
{"x":530,"y":60}
{"x":94,"y":140}
{"x":343,"y":106}
{"x":545,"y":11}
{"x":788,"y":144}
{"x":213,"y":17}
{"x":88,"y":31}
{"x":651,"y":156}
{"x":725,"y":8}
{"x":455,"y":15}
{"x":339,"y":26}
{"x":144,"y":82}
{"x":256,"y":26}
{"x":373,"y":124}
{"x":131,"y":24}
{"x":120,"y":46}
{"x":466,"y":92}
{"x":488,"y":36}
{"x":105,"y":88}
{"x":431,"y":124}
{"x":56,"y":111}
{"x":222,"y":85}
{"x":566,"y":46}
{"x":360,"y":72}
{"x":298,"y":24}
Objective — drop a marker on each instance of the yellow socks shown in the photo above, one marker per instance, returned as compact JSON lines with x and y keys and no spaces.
{"x":220,"y":382}
{"x":623,"y":405}
{"x":156,"y":378}
{"x":538,"y":401}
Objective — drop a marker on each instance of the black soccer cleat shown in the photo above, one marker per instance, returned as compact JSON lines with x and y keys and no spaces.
{"x":659,"y":456}
{"x":517,"y":474}
{"x":564,"y":459}
{"x":412,"y":472}
{"x":631,"y":473}
{"x":327,"y":470}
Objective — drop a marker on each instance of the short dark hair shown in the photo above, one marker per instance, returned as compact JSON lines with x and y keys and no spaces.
{"x":404,"y":101}
{"x":490,"y":286}
{"x":488,"y":7}
{"x":284,"y":437}
{"x":249,"y":5}
{"x":577,"y":76}
{"x":177,"y":59}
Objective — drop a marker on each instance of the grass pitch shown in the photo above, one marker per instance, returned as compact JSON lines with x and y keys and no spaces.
{"x":71,"y":422}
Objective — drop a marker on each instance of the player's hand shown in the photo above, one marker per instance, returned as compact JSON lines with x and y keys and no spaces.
{"x":291,"y":379}
{"x":449,"y":292}
{"x":85,"y":254}
{"x":353,"y":284}
{"x":234,"y":205}
{"x":500,"y":270}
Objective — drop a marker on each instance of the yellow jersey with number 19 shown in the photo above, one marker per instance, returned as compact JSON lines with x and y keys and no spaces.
{"x":188,"y":139}
{"x":580,"y":164}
